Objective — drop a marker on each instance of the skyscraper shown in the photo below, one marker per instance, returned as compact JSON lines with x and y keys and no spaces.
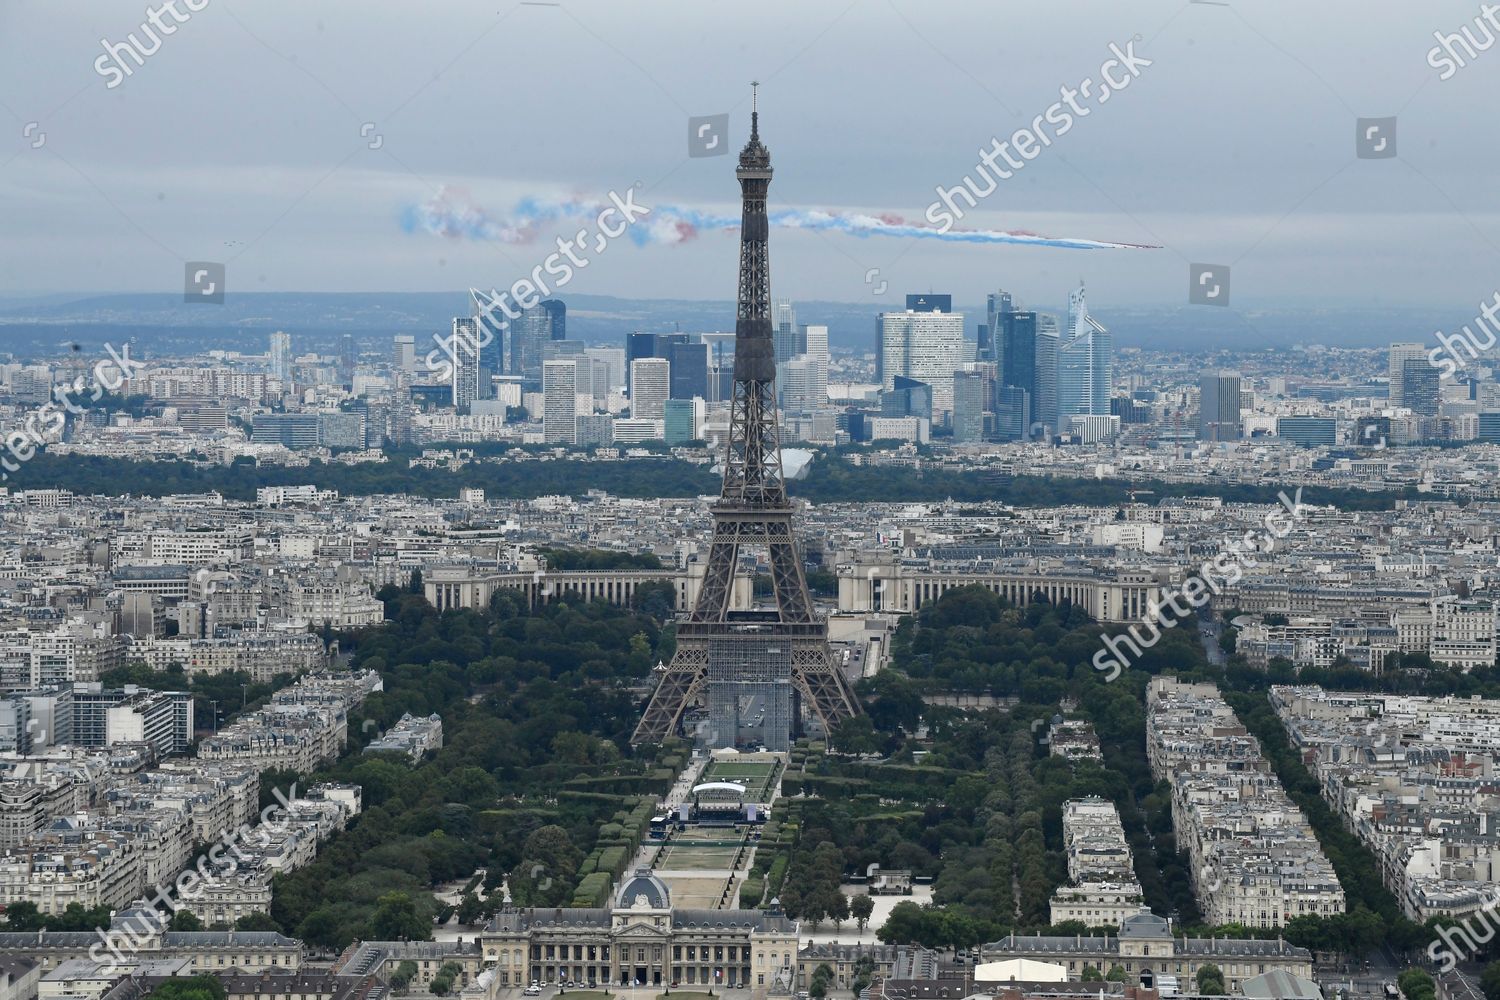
{"x":991,"y":341}
{"x":907,"y":398}
{"x":638,"y":345}
{"x":1012,"y":413}
{"x":1085,"y":363}
{"x":560,"y":402}
{"x":543,"y":322}
{"x":815,"y":346}
{"x":969,"y":405}
{"x":689,"y":367}
{"x":614,"y":362}
{"x":1015,"y":355}
{"x":798,"y":384}
{"x":347,"y":359}
{"x":1044,"y":399}
{"x":493,"y":328}
{"x":1219,"y":406}
{"x":404,"y":353}
{"x":1399,"y":355}
{"x":650,"y":387}
{"x":788,"y":343}
{"x":281,"y":357}
{"x":928,"y":346}
{"x":681,"y":419}
{"x":465,"y":348}
{"x":1421,"y":386}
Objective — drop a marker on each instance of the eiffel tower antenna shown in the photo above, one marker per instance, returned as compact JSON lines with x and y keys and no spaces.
{"x":764,"y":661}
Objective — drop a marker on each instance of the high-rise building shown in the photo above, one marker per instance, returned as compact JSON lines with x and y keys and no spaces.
{"x":1085,"y":363}
{"x":1219,"y":406}
{"x":593,"y":379}
{"x":290,"y":430}
{"x":281,"y":357}
{"x":991,"y":339}
{"x":467,"y":382}
{"x":347,"y":359}
{"x":1015,"y":354}
{"x":815,"y":346}
{"x":638,"y":345}
{"x":1421,"y":386}
{"x":560,"y":402}
{"x":907,"y":397}
{"x":1012,"y":413}
{"x":546,"y":321}
{"x":595,"y":430}
{"x":928,"y":346}
{"x":798,"y":380}
{"x":1044,"y":398}
{"x":1399,"y":355}
{"x":404,"y":353}
{"x":689,"y":367}
{"x":1309,"y":432}
{"x":493,"y":327}
{"x":785,"y":332}
{"x":681,"y":420}
{"x":650,"y":387}
{"x":613,"y":359}
{"x":969,"y":405}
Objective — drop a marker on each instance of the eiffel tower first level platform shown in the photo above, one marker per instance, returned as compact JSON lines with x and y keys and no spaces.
{"x":757,"y":672}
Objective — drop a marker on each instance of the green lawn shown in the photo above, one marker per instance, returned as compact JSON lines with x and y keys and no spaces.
{"x":685,"y":995}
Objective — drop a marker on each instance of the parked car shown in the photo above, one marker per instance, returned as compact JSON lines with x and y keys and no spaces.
{"x":532,"y":991}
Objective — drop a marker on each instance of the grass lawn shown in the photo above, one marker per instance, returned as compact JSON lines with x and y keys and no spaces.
{"x":685,"y":995}
{"x":587,"y":994}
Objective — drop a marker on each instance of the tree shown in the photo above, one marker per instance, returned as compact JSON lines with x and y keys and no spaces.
{"x":23,"y":916}
{"x":1210,"y":981}
{"x":470,"y":909}
{"x":403,"y":974}
{"x":821,"y":978}
{"x":415,"y":586}
{"x":544,"y":875}
{"x":396,"y":919}
{"x":861,"y":907}
{"x":1090,"y":974}
{"x":190,"y":988}
{"x":256,"y":922}
{"x":185,"y":920}
{"x":1116,"y":974}
{"x":1490,"y":981}
{"x":1416,"y":984}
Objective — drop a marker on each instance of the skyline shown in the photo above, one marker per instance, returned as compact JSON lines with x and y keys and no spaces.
{"x":305,"y":201}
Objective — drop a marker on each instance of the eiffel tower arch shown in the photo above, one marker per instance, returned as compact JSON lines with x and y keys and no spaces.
{"x":760,"y":669}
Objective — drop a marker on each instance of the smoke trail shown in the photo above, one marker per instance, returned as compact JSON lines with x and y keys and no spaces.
{"x":452,"y":214}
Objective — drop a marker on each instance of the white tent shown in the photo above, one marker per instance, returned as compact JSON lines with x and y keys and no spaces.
{"x":1020,"y":970}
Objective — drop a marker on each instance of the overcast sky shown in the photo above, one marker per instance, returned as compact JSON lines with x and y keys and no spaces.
{"x":240,"y":141}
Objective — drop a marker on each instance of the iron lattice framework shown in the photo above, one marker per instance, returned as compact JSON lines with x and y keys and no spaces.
{"x":753,"y":510}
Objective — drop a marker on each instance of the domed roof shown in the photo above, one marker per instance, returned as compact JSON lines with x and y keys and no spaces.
{"x":643,"y":890}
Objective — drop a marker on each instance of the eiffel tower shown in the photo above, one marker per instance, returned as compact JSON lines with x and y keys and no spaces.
{"x":762,"y":661}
